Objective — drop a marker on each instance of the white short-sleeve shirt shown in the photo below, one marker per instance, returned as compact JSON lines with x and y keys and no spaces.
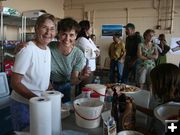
{"x":89,"y":48}
{"x":35,"y":66}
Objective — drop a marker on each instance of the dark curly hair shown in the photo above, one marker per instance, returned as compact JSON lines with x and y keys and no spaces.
{"x":166,"y":82}
{"x":68,"y":24}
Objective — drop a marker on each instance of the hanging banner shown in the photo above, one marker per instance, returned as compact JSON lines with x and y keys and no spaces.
{"x":109,"y":30}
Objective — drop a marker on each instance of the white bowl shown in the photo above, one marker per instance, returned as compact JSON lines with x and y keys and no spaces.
{"x":166,"y":111}
{"x":129,"y":132}
{"x":99,"y":88}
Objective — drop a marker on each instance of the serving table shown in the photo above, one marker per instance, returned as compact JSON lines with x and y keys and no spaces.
{"x":69,"y":123}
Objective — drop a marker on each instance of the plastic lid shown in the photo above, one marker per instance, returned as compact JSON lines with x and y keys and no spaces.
{"x":98,"y":88}
{"x":86,"y":89}
{"x":95,"y":95}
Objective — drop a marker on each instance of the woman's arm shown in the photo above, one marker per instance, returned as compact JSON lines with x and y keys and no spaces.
{"x":154,"y":55}
{"x":50,"y":87}
{"x":75,"y":78}
{"x":19,"y":87}
{"x":140,"y":55}
{"x":145,"y":110}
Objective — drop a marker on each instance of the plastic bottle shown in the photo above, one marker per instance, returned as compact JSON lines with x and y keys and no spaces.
{"x":86,"y":92}
{"x":114,"y":110}
{"x":97,"y":80}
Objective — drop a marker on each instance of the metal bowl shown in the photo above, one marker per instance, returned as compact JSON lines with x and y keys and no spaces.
{"x":129,"y":132}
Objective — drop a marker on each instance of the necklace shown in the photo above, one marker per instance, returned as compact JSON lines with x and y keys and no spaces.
{"x":38,"y":44}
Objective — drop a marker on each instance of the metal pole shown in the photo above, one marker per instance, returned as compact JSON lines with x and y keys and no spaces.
{"x":24,"y":28}
{"x":2,"y":43}
{"x":172,"y":15}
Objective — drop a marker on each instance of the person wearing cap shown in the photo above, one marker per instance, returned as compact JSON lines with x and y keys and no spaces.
{"x":131,"y":59}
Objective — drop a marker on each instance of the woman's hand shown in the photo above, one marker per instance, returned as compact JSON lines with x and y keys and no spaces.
{"x":77,"y":77}
{"x":85,"y":73}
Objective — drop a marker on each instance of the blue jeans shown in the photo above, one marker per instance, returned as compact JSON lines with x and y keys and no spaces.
{"x":20,"y":115}
{"x":128,"y":69}
{"x":64,"y":88}
{"x":113,"y":65}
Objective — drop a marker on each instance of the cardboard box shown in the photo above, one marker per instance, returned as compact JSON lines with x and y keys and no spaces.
{"x":109,"y":124}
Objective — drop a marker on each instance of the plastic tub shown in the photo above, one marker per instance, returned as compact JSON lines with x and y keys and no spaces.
{"x":88,"y":112}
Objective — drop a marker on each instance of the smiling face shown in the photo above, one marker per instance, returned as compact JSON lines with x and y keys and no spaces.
{"x":46,"y":32}
{"x":68,"y":38}
{"x":67,"y":31}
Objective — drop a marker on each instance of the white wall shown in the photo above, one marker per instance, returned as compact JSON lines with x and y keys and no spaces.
{"x":143,"y":13}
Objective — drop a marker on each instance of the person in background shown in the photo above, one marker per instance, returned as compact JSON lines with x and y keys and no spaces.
{"x":117,"y":56}
{"x":147,"y":54}
{"x":131,"y":59}
{"x":88,"y":47}
{"x":165,"y":88}
{"x":31,"y":72}
{"x":164,"y":48}
{"x":68,"y":61}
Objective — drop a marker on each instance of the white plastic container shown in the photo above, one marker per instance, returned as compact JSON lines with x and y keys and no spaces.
{"x":86,"y":92}
{"x":99,"y":89}
{"x":88,"y":112}
{"x":97,"y":96}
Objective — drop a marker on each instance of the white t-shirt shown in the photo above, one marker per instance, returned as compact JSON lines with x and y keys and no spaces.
{"x":35,"y":66}
{"x":89,"y":48}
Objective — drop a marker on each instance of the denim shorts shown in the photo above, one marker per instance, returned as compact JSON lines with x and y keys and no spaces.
{"x":64,"y":88}
{"x":19,"y":115}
